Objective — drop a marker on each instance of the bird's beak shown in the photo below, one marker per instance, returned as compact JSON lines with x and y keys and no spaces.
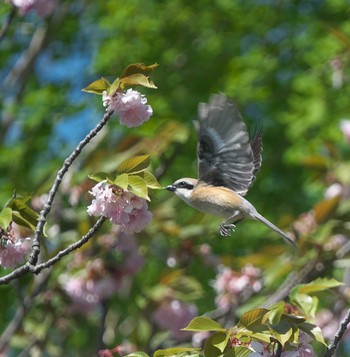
{"x":171,"y":188}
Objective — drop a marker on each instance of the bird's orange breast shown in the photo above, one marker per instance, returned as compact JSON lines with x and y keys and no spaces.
{"x":218,"y":201}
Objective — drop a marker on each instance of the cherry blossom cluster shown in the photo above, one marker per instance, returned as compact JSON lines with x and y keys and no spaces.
{"x":95,"y":283}
{"x":13,"y":248}
{"x":173,"y":315}
{"x":131,"y":106}
{"x":121,"y":207}
{"x":232,"y":286}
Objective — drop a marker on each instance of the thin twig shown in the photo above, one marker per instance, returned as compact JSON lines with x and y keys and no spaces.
{"x":339,"y":334}
{"x":66,"y":165}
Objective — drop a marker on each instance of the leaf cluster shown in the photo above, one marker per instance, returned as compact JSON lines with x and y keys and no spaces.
{"x":136,"y":74}
{"x":18,"y":211}
{"x":132,"y":176}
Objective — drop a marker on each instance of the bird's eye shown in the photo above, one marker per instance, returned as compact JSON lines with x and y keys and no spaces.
{"x":182,"y":184}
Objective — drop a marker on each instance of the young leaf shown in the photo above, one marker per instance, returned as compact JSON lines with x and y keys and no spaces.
{"x":151,"y":181}
{"x":137,"y":354}
{"x":138,"y":68}
{"x":134,"y":164}
{"x":5,"y":217}
{"x":176,"y":351}
{"x":203,"y":323}
{"x":22,"y":214}
{"x":136,"y":79}
{"x":275,"y":313}
{"x":251,"y":318}
{"x":98,"y":86}
{"x":100,"y":176}
{"x":219,"y":340}
{"x":115,"y":85}
{"x":138,"y":186}
{"x":314,"y":331}
{"x":239,"y":351}
{"x":317,"y":285}
{"x":122,"y":181}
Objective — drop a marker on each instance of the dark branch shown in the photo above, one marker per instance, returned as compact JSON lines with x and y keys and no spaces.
{"x":338,"y":336}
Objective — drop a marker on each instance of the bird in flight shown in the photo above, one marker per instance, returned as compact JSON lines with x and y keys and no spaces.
{"x":228,"y":162}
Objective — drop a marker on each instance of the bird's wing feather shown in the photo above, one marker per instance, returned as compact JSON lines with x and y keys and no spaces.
{"x":225,"y":155}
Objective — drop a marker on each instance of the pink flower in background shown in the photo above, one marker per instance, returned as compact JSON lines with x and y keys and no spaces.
{"x":174,"y":315}
{"x":345,"y":128}
{"x":131,"y":107}
{"x":13,"y":248}
{"x":121,"y":207}
{"x":13,"y":251}
{"x":88,"y":289}
{"x":232,"y":286}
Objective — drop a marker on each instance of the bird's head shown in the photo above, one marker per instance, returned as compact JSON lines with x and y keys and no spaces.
{"x":183,"y":188}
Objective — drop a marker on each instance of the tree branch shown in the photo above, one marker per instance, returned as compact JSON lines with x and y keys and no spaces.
{"x":339,"y":334}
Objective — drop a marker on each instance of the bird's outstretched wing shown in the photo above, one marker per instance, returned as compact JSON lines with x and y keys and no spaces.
{"x":226,"y":157}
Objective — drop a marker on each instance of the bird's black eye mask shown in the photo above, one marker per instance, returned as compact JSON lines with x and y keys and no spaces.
{"x":185,"y":184}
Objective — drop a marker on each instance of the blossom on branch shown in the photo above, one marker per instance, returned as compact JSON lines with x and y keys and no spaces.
{"x":130,"y":106}
{"x":120,"y":206}
{"x":13,"y":248}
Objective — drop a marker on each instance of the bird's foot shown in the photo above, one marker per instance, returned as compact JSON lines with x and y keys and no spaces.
{"x":225,"y":229}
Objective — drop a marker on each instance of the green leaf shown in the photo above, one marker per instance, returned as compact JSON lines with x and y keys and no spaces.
{"x":134,"y":164}
{"x":114,"y":87}
{"x":307,"y":303}
{"x":135,"y":68}
{"x":175,"y":352}
{"x":239,"y":351}
{"x":151,"y":181}
{"x":22,"y":214}
{"x":209,"y":349}
{"x":100,"y":176}
{"x":219,"y":340}
{"x":317,"y":285}
{"x":5,"y":217}
{"x":136,"y":79}
{"x":137,"y":354}
{"x":282,"y":332}
{"x":314,"y":331}
{"x":252,"y":318}
{"x":98,"y":86}
{"x":203,"y":323}
{"x":122,"y":181}
{"x":138,"y":187}
{"x":275,"y":313}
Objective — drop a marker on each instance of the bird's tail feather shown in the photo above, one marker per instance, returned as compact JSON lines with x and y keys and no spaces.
{"x":262,"y":219}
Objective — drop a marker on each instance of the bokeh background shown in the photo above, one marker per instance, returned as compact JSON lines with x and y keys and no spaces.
{"x":286,"y":65}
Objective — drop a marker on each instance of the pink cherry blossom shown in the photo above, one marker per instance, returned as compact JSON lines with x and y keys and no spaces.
{"x":231,"y":286}
{"x":174,"y":315}
{"x":121,"y":207}
{"x":131,"y":106}
{"x":13,"y":253}
{"x":345,"y":128}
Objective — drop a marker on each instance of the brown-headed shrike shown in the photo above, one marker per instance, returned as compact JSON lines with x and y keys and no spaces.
{"x":227,"y":165}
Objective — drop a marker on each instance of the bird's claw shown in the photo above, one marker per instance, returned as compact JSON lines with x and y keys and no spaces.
{"x":225,"y":229}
